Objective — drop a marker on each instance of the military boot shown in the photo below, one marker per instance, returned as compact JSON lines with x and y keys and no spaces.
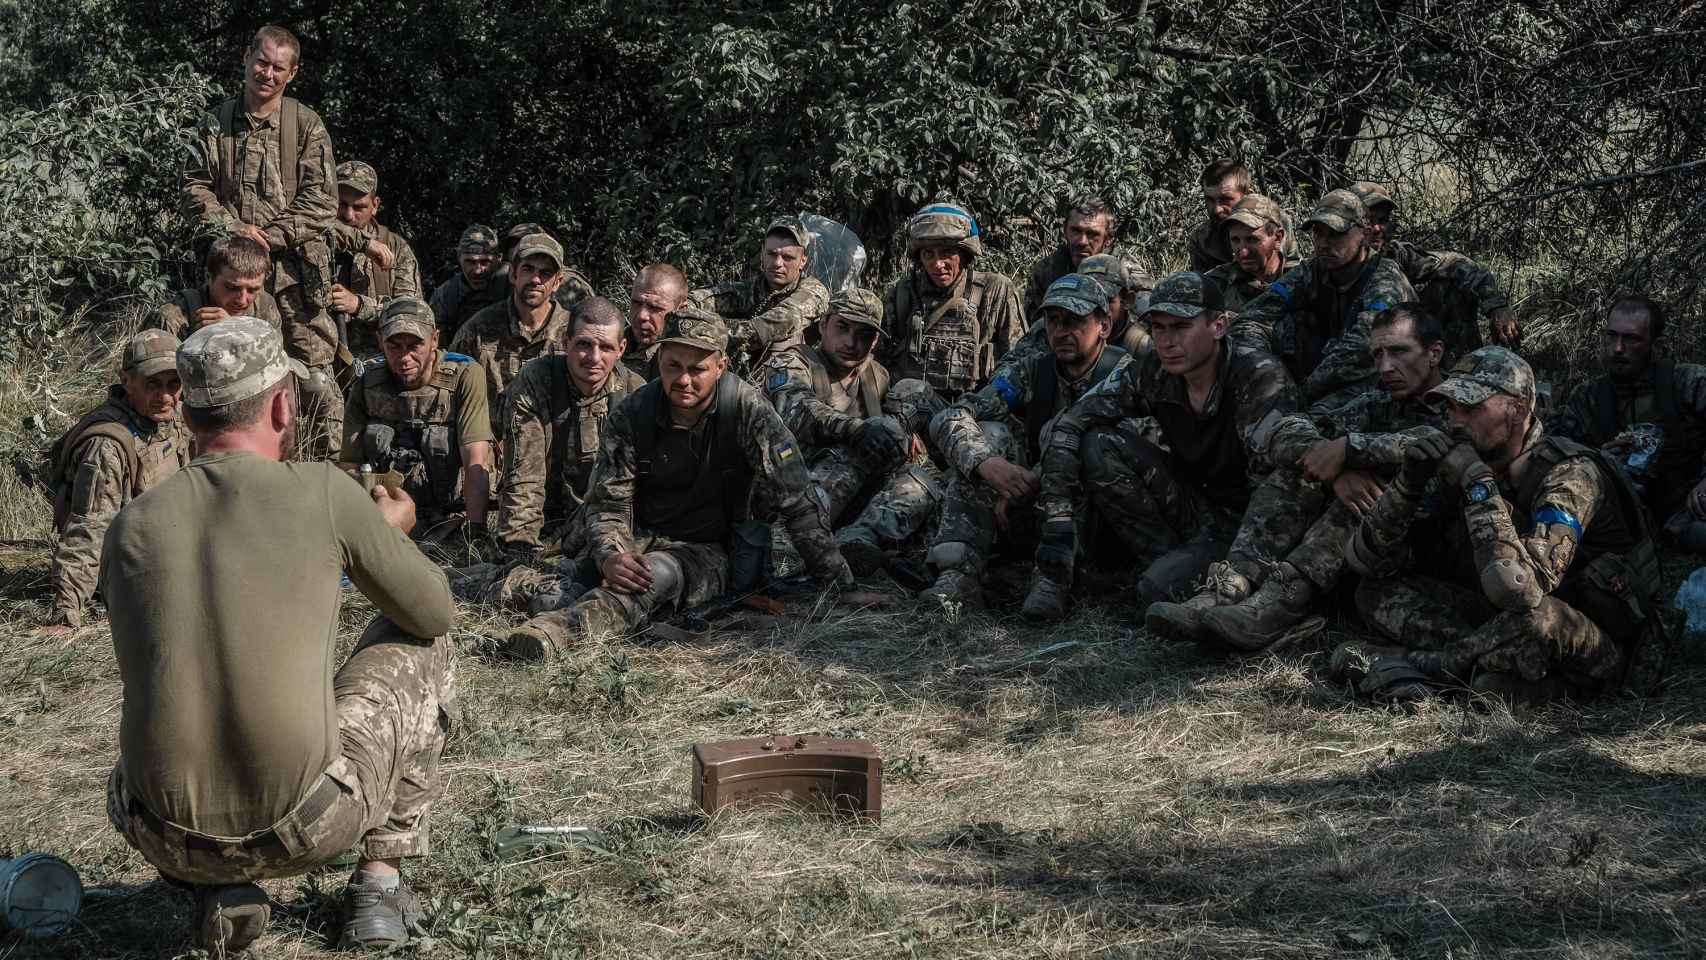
{"x":1047,"y":600}
{"x":229,"y":918}
{"x":544,"y":637}
{"x":861,"y":549}
{"x":956,"y":586}
{"x":1265,"y":617}
{"x":376,"y":915}
{"x":1183,"y":621}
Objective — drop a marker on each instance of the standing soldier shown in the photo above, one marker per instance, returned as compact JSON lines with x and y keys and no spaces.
{"x":993,"y":483}
{"x":475,"y":286}
{"x":262,"y":167}
{"x":556,"y":414}
{"x":529,"y":324}
{"x":678,"y":464}
{"x":237,"y":270}
{"x":1224,"y":183}
{"x":770,"y":312}
{"x":373,"y":264}
{"x":1089,"y":230}
{"x":945,"y":322}
{"x":423,"y":413}
{"x":116,"y":452}
{"x":1315,"y":318}
{"x":1542,"y":579}
{"x":858,"y":430}
{"x":658,"y":290}
{"x":1261,"y":251}
{"x":242,"y":757}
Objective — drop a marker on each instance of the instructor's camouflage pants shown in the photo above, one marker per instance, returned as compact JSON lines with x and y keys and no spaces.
{"x":396,"y":702}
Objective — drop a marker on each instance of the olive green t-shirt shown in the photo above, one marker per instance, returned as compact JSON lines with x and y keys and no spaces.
{"x":222,"y":585}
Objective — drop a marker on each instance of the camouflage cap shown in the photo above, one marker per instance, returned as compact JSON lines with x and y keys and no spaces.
{"x":149,"y":352}
{"x":696,"y":327}
{"x":1373,"y":195}
{"x":1185,"y":294}
{"x":478,"y":239}
{"x":1117,"y":273}
{"x":540,"y":244}
{"x":407,"y":315}
{"x":792,"y":227}
{"x":1078,"y":295}
{"x":521,"y":231}
{"x":858,"y":305}
{"x":1255,"y":211}
{"x":944,"y":225}
{"x":233,"y":360}
{"x":358,"y":176}
{"x":1484,"y":372}
{"x":1338,"y":211}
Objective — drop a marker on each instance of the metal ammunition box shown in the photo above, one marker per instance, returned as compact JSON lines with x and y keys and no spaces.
{"x":838,"y":777}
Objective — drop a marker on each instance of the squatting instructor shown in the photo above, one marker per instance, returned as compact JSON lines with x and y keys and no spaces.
{"x":242,"y":756}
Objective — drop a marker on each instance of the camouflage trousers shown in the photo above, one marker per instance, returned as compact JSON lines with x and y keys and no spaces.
{"x":684,"y":575}
{"x":300,"y":284}
{"x":320,"y":415}
{"x":1280,"y":523}
{"x":1452,"y":632}
{"x":396,"y":704}
{"x":897,"y":504}
{"x":970,"y":526}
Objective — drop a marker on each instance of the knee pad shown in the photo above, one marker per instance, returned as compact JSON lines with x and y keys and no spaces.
{"x":951,"y":555}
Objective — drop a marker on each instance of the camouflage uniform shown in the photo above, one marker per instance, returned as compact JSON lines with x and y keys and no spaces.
{"x":1123,"y":279}
{"x":360,"y":275}
{"x":495,"y":340}
{"x":454,"y":301}
{"x":1207,"y":247}
{"x":1051,"y":268}
{"x":1320,"y":330}
{"x":642,"y":363}
{"x":551,"y":441}
{"x":236,"y":174}
{"x":951,"y":339}
{"x":111,"y":456}
{"x":177,"y":315}
{"x":677,"y":494}
{"x":1177,"y":507}
{"x":1240,"y":288}
{"x":1548,"y":576}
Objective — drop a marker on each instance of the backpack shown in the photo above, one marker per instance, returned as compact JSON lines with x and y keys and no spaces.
{"x":55,"y":469}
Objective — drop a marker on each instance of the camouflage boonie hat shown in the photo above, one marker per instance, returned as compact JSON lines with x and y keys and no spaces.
{"x":1185,"y":295}
{"x":944,"y":225}
{"x":1255,"y":211}
{"x":858,"y":305}
{"x":477,"y":239}
{"x":1373,"y":195}
{"x":792,"y":227}
{"x":407,"y":315}
{"x":539,"y":243}
{"x":696,"y":327}
{"x":358,"y":176}
{"x":1484,"y":372}
{"x":1338,"y":211}
{"x":150,"y":352}
{"x":1078,"y":295}
{"x":233,"y":360}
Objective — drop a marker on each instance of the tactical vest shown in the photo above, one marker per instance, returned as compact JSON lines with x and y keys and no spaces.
{"x":947,"y":342}
{"x":573,"y":467}
{"x":146,"y":464}
{"x":289,"y":131}
{"x":1684,"y":438}
{"x":1045,"y":391}
{"x":414,"y":431}
{"x":873,"y":382}
{"x":695,"y":496}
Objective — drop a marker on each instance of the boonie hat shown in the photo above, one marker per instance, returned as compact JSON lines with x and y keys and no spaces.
{"x":407,"y":315}
{"x":1078,"y":295}
{"x":696,"y":327}
{"x":1484,"y":372}
{"x":793,"y":228}
{"x":1338,"y":211}
{"x":1185,"y":294}
{"x":233,"y":360}
{"x":358,"y":176}
{"x":540,"y":243}
{"x":478,"y":238}
{"x":1255,"y":211}
{"x":150,"y":352}
{"x":858,"y":305}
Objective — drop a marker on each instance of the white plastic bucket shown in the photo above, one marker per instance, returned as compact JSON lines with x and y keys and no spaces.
{"x":40,"y":894}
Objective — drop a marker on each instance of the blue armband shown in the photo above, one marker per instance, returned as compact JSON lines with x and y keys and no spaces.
{"x":1550,"y":514}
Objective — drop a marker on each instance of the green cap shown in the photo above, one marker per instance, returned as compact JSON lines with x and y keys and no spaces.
{"x":1078,"y":295}
{"x":793,"y":228}
{"x":1185,"y":295}
{"x":150,"y":352}
{"x":1479,"y":375}
{"x":407,"y":315}
{"x":696,"y":327}
{"x":858,"y":305}
{"x":539,"y":243}
{"x":1373,"y":195}
{"x":1255,"y":211}
{"x":1338,"y":211}
{"x":234,"y":359}
{"x":358,"y":176}
{"x":478,"y":239}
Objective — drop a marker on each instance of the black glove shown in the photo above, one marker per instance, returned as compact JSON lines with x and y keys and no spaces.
{"x":1461,"y":464}
{"x":883,"y":442}
{"x":1421,"y":460}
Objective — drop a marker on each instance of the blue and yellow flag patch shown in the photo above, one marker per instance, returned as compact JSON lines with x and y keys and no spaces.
{"x":784,"y":451}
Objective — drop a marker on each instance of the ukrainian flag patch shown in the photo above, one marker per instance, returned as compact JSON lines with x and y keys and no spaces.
{"x":784,"y":451}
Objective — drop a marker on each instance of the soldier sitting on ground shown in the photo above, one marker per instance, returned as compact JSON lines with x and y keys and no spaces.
{"x":423,"y":414}
{"x":475,"y":286}
{"x":1088,"y":231}
{"x":1261,"y":247}
{"x":574,"y":288}
{"x":529,"y":324}
{"x":769,"y":312}
{"x":658,"y":290}
{"x":1224,"y":183}
{"x":679,"y":462}
{"x":113,"y":454}
{"x":1128,"y":289}
{"x":992,"y":487}
{"x":373,"y":264}
{"x":858,"y":430}
{"x":1649,"y":415}
{"x":1542,"y":579}
{"x":237,"y":269}
{"x":242,"y":757}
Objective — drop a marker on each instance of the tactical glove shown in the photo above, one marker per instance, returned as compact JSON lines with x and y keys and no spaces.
{"x":1462,"y":464}
{"x":1421,"y":460}
{"x":883,"y":442}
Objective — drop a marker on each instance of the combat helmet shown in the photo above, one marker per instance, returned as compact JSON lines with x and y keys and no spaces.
{"x":944,"y":225}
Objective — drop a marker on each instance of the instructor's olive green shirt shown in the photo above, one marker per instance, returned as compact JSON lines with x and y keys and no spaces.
{"x":222,"y":588}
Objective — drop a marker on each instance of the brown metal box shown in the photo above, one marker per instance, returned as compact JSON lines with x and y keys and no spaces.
{"x":840,"y":777}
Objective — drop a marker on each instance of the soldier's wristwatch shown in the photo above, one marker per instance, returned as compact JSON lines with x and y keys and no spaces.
{"x":1481,"y":490}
